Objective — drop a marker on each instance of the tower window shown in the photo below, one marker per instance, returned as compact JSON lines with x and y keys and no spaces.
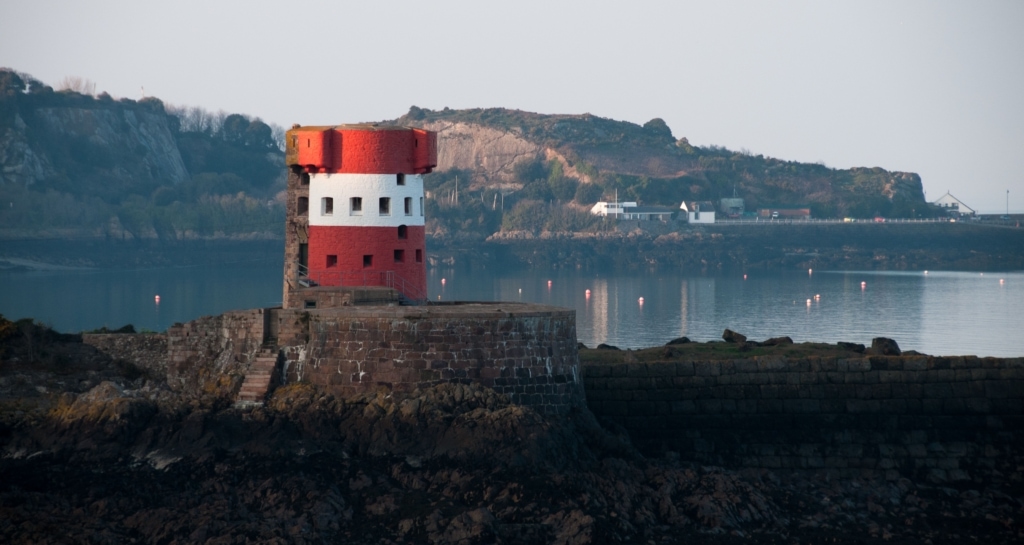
{"x":399,"y":256}
{"x":419,"y":256}
{"x":421,"y":206}
{"x":401,"y":179}
{"x":408,"y":206}
{"x":385,"y":206}
{"x":332,"y":261}
{"x":403,"y":232}
{"x":367,"y":261}
{"x":302,"y":205}
{"x":304,"y":178}
{"x":355,"y":206}
{"x":327,"y":206}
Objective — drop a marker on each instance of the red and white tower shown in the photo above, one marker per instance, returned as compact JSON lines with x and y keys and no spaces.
{"x":355,"y":209}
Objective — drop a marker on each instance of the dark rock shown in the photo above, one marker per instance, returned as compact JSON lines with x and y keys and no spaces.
{"x":679,"y":340}
{"x":777,"y":341}
{"x":883,"y":346}
{"x":603,"y":346}
{"x":852,"y":347}
{"x":581,"y":346}
{"x":731,"y":336}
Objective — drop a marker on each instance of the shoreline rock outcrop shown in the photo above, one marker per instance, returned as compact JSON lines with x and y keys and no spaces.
{"x":126,"y":459}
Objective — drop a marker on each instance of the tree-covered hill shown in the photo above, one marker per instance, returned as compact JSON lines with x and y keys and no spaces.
{"x":579,"y":159}
{"x":79,"y":165}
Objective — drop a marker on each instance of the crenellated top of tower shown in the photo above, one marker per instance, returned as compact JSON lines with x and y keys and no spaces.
{"x":362,"y":149}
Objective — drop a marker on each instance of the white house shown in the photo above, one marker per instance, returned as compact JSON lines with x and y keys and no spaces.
{"x":699,"y":212}
{"x":631,"y":211}
{"x":614,"y":209}
{"x":953,"y":206}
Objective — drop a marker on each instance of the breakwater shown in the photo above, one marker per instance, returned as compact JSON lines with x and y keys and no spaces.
{"x":940,"y":418}
{"x":944,"y":419}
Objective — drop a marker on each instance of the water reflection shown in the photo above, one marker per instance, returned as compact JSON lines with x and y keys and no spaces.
{"x":938,"y":313}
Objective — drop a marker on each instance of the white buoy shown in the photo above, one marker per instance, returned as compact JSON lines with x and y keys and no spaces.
{"x":641,"y":300}
{"x":588,"y":293}
{"x":744,"y":277}
{"x":808,"y":302}
{"x":444,"y":281}
{"x":157,"y":299}
{"x":549,"y":283}
{"x":810,"y":271}
{"x":863,"y":285}
{"x":817,"y":296}
{"x":925,"y":272}
{"x":1001,"y":281}
{"x":520,"y":290}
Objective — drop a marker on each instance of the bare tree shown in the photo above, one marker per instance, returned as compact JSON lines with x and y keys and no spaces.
{"x":216,"y":123}
{"x":278,"y":133}
{"x":77,"y":84}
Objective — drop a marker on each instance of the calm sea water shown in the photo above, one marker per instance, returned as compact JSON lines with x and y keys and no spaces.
{"x":939,"y":312}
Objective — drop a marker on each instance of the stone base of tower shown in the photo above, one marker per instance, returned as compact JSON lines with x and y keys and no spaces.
{"x":526,"y":351}
{"x":322,"y":297}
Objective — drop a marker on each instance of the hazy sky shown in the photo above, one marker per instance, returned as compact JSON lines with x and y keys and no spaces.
{"x":930,"y":87}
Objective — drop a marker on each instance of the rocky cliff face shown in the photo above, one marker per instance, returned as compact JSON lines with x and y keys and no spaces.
{"x":144,"y":133}
{"x":19,"y":163}
{"x":489,"y":152}
{"x":68,"y":144}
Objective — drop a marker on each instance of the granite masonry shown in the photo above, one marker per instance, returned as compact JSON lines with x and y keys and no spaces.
{"x":525,"y":351}
{"x":943,"y":418}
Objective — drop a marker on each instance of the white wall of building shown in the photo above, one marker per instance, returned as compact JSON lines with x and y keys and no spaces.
{"x":611,"y":209}
{"x":370,"y":188}
{"x":701,"y":216}
{"x":949,"y":202}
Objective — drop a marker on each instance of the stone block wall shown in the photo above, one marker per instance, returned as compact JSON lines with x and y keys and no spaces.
{"x":945,"y":418}
{"x":296,"y":234}
{"x":209,"y":355}
{"x":525,"y":351}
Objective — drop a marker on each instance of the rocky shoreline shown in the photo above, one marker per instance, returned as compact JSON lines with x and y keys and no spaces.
{"x":636,"y":245}
{"x":99,"y":449}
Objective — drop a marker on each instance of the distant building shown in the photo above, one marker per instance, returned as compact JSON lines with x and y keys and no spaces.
{"x":631,"y":211}
{"x":699,"y":211}
{"x":787,"y":211}
{"x":953,"y":206}
{"x":732,"y":207}
{"x":613,"y":209}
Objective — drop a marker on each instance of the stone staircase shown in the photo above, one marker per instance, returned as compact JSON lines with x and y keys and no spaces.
{"x":257,"y":379}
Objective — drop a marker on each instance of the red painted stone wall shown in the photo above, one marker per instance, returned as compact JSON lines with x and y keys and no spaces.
{"x":350,"y":244}
{"x":363,"y":150}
